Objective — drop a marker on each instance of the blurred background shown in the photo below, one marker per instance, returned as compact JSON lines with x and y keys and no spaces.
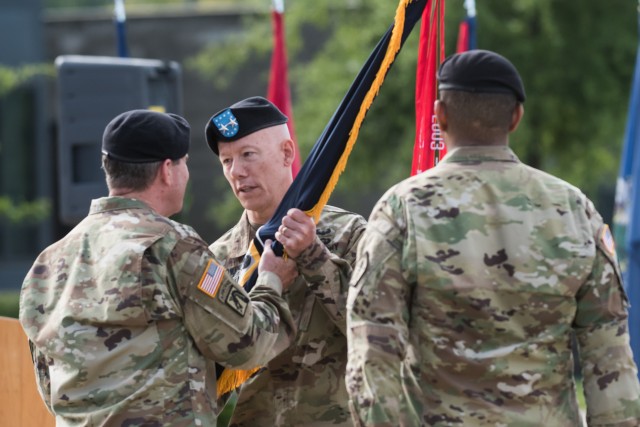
{"x":576,"y":60}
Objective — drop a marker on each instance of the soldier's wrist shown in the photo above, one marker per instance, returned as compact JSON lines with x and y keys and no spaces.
{"x":313,"y":257}
{"x":270,"y":280}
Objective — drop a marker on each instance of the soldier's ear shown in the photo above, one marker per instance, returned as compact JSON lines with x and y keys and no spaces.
{"x":440,"y":111}
{"x":165,"y":172}
{"x":289,"y":151}
{"x":516,"y":117}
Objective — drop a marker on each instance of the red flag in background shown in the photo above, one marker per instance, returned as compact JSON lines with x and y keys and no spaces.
{"x":467,"y":28}
{"x":429,"y":146}
{"x":463,"y":37}
{"x":278,"y":91}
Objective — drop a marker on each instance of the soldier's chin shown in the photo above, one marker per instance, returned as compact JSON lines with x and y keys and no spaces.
{"x":247,"y":201}
{"x":248,"y":197}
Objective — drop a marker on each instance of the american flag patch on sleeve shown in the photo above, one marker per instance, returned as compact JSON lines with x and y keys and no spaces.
{"x":607,"y":240}
{"x":211,"y":279}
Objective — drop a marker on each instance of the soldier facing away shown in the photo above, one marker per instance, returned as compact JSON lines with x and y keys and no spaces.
{"x":304,"y":385}
{"x":127,"y":314}
{"x":472,"y":276}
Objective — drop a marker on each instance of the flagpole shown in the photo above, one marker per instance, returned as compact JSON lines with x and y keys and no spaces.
{"x":470,"y":7}
{"x":120,"y":19}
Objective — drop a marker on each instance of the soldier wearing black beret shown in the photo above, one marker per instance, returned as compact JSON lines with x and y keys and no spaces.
{"x":480,"y":71}
{"x":473,"y":276}
{"x":481,"y":96}
{"x":254,"y":147}
{"x":128,"y":314}
{"x":144,"y":136}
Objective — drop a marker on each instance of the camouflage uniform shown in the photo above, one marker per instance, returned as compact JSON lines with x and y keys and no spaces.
{"x":305,"y":384}
{"x":470,"y":280}
{"x":121,"y":332}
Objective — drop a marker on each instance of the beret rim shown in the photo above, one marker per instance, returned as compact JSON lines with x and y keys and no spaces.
{"x":480,"y":71}
{"x":485,"y":89}
{"x":146,"y":136}
{"x":136,"y":161}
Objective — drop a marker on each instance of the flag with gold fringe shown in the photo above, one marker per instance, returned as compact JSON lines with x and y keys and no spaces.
{"x":319,"y":174}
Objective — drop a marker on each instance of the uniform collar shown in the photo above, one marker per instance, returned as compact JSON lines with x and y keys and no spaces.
{"x":114,"y":203}
{"x":241,"y":235}
{"x":483,"y":153}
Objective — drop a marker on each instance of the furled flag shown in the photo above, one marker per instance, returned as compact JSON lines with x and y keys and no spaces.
{"x":121,"y":34}
{"x":626,"y":219}
{"x":278,"y":91}
{"x":467,"y":28}
{"x":429,"y":145}
{"x":319,"y":174}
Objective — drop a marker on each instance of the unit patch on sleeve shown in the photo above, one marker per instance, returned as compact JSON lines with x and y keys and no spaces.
{"x":210,"y":280}
{"x":238,"y":301}
{"x":607,"y":240}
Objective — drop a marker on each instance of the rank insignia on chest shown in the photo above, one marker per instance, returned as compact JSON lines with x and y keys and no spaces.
{"x":211,"y":279}
{"x":226,"y":123}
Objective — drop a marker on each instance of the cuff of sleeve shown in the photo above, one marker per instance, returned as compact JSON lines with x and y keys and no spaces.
{"x":314,"y":256}
{"x":270,"y":280}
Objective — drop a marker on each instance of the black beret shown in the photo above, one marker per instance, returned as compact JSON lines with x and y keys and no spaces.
{"x":144,"y":136}
{"x":480,"y":71}
{"x":241,"y":119}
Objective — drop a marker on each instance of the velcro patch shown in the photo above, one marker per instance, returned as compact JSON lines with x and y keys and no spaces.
{"x":238,"y":301}
{"x":607,"y":241}
{"x":361,"y":266}
{"x":211,"y":279}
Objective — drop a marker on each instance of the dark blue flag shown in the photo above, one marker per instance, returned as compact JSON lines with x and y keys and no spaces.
{"x":627,"y":211}
{"x":319,"y":174}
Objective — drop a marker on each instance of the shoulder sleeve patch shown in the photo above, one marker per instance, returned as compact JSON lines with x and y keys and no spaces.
{"x":608,"y":243}
{"x":362,"y":264}
{"x":211,"y":279}
{"x":238,"y":301}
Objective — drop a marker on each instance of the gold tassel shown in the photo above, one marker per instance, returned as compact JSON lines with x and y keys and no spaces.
{"x":231,"y":379}
{"x":389,"y":57}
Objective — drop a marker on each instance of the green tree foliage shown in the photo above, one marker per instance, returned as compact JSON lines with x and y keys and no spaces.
{"x":20,"y":212}
{"x":25,"y":211}
{"x":107,"y":3}
{"x":576,"y":59}
{"x":56,"y":4}
{"x":13,"y":77}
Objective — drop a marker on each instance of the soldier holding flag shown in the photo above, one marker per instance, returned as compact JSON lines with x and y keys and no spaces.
{"x":305,"y":383}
